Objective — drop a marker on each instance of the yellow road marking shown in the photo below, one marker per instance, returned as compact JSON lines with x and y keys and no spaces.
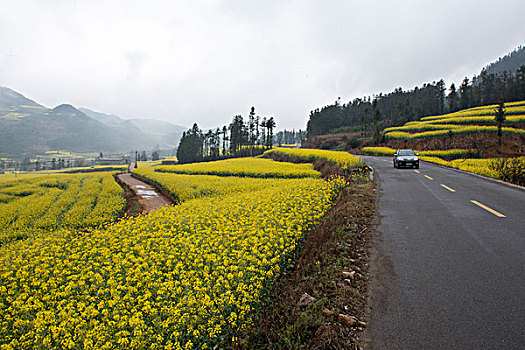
{"x":448,"y":188}
{"x":417,"y":171}
{"x":428,"y":177}
{"x":488,"y":209}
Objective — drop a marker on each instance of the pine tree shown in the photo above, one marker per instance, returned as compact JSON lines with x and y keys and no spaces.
{"x":465,"y":94}
{"x":500,"y":119}
{"x":270,"y":124}
{"x":453,"y":99}
{"x":376,"y":117}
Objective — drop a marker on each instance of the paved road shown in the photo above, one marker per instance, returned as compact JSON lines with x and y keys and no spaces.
{"x":447,"y":273}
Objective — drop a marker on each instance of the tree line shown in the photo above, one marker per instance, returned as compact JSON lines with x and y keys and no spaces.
{"x":240,"y":138}
{"x":399,"y":107}
{"x":287,"y":137}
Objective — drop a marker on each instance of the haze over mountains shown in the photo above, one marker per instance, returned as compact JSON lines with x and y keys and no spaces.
{"x":28,"y":129}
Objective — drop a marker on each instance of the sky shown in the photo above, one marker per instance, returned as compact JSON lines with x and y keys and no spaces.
{"x":207,"y":61}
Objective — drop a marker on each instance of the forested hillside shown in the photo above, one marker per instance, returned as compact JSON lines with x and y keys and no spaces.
{"x":401,"y":106}
{"x":509,"y":63}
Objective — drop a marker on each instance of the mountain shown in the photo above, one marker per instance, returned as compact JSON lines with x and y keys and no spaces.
{"x":10,"y":98}
{"x":166,"y":133}
{"x":28,"y":128}
{"x":158,"y":127}
{"x":101,"y":117}
{"x":510,"y":62}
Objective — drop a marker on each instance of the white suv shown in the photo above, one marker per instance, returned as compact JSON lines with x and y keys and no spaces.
{"x":406,"y":158}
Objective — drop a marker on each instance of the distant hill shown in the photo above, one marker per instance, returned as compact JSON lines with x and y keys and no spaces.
{"x":101,"y":117}
{"x":158,"y":127}
{"x":9,"y":98}
{"x":510,"y":62}
{"x":28,"y":128}
{"x":167,"y":133}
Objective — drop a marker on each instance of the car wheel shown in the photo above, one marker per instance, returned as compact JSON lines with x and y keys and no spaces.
{"x":395,"y":166}
{"x":417,"y":166}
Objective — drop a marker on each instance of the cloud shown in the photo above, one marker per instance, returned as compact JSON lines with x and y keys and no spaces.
{"x":206,"y":61}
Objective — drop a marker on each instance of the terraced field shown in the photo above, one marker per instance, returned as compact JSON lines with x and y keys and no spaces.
{"x":190,"y":276}
{"x":478,"y":120}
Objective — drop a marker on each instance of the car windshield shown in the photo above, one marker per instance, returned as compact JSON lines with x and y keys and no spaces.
{"x":406,"y":152}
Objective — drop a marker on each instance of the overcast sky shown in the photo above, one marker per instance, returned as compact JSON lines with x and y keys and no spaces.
{"x":206,"y":61}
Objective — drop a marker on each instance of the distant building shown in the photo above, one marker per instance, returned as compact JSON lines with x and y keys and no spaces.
{"x":111,"y":161}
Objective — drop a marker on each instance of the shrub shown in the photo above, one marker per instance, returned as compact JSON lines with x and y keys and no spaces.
{"x":509,"y":169}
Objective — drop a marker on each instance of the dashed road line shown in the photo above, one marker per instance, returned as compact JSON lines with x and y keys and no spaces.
{"x":417,"y":171}
{"x":490,"y":210}
{"x":428,"y":177}
{"x":448,"y":188}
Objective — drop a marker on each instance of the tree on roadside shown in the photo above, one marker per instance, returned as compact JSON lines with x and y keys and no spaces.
{"x":500,"y":119}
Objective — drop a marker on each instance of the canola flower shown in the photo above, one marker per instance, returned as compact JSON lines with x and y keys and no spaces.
{"x":479,"y":120}
{"x":448,"y":129}
{"x":512,"y":108}
{"x":378,"y":151}
{"x":182,"y":277}
{"x":468,"y":121}
{"x":476,"y":166}
{"x":44,"y":203}
{"x":247,"y":167}
{"x":457,"y":159}
{"x":443,"y":154}
{"x":182,"y":187}
{"x":342,"y":159}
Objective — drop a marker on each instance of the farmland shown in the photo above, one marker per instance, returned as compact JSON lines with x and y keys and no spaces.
{"x":448,"y":154}
{"x":341,"y":159}
{"x":478,"y":120}
{"x":188,"y":276}
{"x":248,"y":167}
{"x":46,"y":203}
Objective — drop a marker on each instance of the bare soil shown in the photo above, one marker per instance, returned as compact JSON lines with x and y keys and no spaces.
{"x":332,"y":141}
{"x":147,"y":196}
{"x":336,"y":249}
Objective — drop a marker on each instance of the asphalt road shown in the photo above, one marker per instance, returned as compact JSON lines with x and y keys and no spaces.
{"x":446,"y":272}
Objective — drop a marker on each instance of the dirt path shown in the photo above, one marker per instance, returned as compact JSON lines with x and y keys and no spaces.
{"x":149,"y":198}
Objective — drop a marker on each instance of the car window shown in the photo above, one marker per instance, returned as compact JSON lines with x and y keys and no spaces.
{"x":407,"y":152}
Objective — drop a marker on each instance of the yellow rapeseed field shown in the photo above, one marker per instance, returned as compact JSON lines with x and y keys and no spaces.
{"x":443,"y":154}
{"x":342,"y":159}
{"x":184,"y":187}
{"x":49,"y":202}
{"x":247,"y":167}
{"x":183,"y":277}
{"x":468,"y":121}
{"x":476,"y":166}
